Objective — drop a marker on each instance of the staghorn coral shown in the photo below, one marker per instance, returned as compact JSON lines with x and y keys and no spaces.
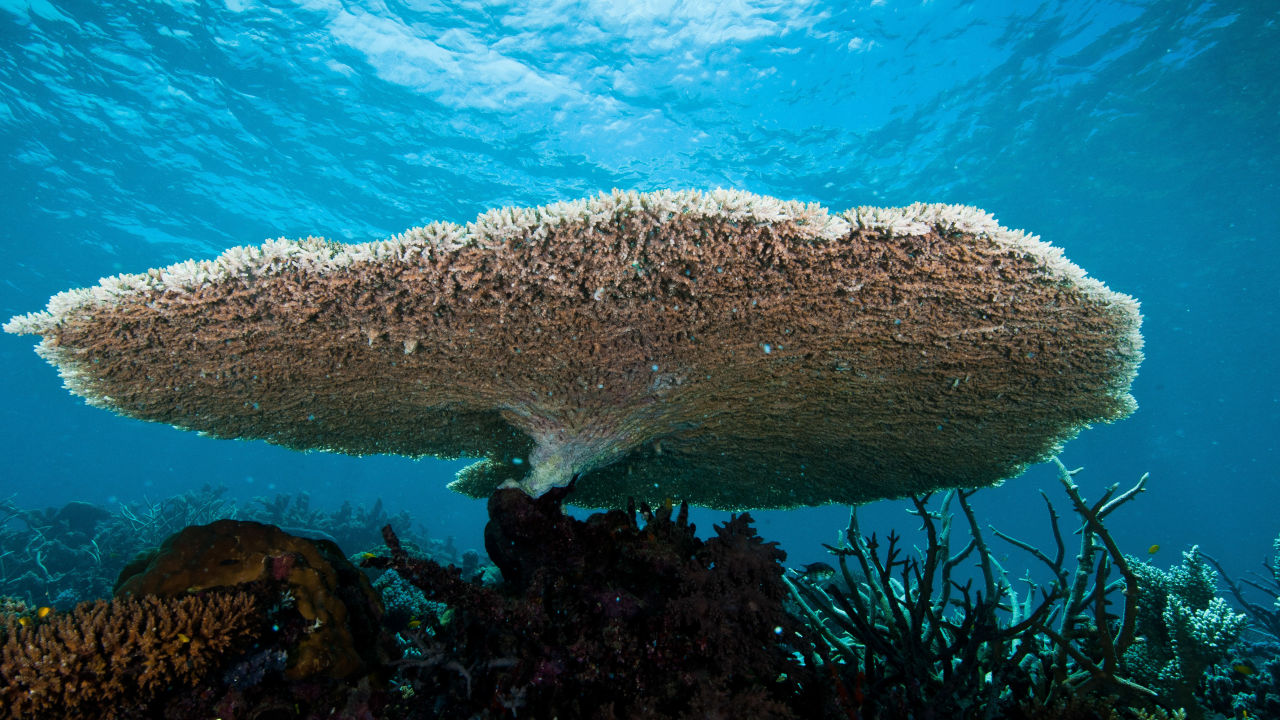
{"x":607,"y":618}
{"x":53,"y":556}
{"x":1266,"y":615}
{"x":922,"y":644}
{"x":113,"y":659}
{"x":726,"y":348}
{"x":330,"y":594}
{"x":353,"y":527}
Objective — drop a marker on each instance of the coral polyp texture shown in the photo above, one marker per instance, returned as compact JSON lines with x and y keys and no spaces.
{"x":110,"y":659}
{"x":326,"y":590}
{"x":730,"y":349}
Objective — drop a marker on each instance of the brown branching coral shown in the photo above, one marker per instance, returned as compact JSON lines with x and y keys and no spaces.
{"x":725,"y":348}
{"x":108,"y":659}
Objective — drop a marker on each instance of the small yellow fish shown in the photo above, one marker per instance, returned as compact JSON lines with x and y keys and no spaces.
{"x":367,"y":555}
{"x":43,"y":612}
{"x":184,"y":638}
{"x":1153,"y":549}
{"x":415,"y":624}
{"x":24,"y":621}
{"x":1243,"y":669}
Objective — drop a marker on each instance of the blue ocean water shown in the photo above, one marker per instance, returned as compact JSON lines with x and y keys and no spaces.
{"x":1141,"y":137}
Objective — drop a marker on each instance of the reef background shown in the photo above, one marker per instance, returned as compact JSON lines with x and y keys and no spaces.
{"x":1142,"y":138}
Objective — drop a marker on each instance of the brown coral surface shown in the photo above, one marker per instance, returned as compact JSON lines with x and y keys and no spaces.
{"x":328,"y":592}
{"x":729,"y":349}
{"x":109,"y":659}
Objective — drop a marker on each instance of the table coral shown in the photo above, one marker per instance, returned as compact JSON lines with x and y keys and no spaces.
{"x":729,"y":349}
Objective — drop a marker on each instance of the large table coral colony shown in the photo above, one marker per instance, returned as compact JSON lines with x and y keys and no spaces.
{"x":729,"y":349}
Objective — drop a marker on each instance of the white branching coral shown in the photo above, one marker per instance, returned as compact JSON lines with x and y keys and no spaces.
{"x":1184,"y":626}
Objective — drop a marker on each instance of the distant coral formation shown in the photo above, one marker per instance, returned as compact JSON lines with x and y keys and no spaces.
{"x":60,"y":556}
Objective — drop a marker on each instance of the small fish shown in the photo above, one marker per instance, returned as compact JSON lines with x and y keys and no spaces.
{"x":817,"y":572}
{"x":1243,"y":668}
{"x":183,"y":637}
{"x":24,"y":621}
{"x":415,"y":624}
{"x":43,"y":612}
{"x":367,"y":555}
{"x":1153,"y":549}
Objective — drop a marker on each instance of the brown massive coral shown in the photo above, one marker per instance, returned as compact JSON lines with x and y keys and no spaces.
{"x":726,"y":348}
{"x":326,"y":590}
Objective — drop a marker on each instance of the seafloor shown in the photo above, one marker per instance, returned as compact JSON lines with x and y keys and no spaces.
{"x":195,"y":607}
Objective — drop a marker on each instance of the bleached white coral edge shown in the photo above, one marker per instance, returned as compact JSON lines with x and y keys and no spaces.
{"x":320,"y":256}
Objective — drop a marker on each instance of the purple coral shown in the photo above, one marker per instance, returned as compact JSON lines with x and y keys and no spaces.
{"x":610,"y":617}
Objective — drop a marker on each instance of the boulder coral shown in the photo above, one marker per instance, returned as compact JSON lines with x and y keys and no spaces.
{"x":335,"y":600}
{"x":730,"y":349}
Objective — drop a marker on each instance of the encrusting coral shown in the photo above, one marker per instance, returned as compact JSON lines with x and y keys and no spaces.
{"x":109,"y":659}
{"x":728,"y":349}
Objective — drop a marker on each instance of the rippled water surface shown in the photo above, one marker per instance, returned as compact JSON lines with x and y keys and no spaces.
{"x":1142,"y":137}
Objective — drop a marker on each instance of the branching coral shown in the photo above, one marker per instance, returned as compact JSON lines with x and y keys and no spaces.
{"x":53,"y":556}
{"x":1183,"y":628}
{"x":110,"y":659}
{"x":926,"y":645}
{"x":1267,"y":617}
